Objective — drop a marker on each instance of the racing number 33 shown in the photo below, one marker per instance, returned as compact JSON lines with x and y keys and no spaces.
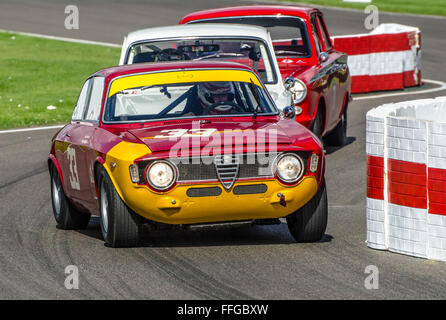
{"x":74,"y":176}
{"x":176,"y":133}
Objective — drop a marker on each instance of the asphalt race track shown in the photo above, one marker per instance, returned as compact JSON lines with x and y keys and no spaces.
{"x":259,"y":262}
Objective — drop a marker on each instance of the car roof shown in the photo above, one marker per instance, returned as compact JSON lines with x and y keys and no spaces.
{"x":197,"y":30}
{"x":129,"y":69}
{"x":268,"y":10}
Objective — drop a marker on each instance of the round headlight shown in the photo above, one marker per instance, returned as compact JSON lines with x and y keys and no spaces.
{"x":161,"y":175}
{"x":297,"y":88}
{"x":289,"y":168}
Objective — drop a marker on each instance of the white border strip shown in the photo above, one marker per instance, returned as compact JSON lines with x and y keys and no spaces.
{"x":32,"y":129}
{"x":44,"y":36}
{"x":361,"y":11}
{"x":440,"y":83}
{"x":407,"y":93}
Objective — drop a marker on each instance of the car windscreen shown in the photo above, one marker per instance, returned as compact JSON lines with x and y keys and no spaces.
{"x":289,"y":34}
{"x":251,"y":52}
{"x":196,"y":99}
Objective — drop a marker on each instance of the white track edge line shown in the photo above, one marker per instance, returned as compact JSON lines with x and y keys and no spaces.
{"x":441,"y":83}
{"x":320,"y":6}
{"x":31,"y":129}
{"x":44,"y":36}
{"x":408,"y":93}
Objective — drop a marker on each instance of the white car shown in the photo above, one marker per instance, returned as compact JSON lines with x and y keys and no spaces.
{"x":306,"y":84}
{"x":249,"y":45}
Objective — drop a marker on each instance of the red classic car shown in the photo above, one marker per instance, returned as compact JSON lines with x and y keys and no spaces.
{"x":316,"y":74}
{"x":184,"y":143}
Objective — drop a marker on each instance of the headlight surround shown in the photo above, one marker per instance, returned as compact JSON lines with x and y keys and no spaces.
{"x":289,"y":167}
{"x":297,"y":88}
{"x":161,"y":175}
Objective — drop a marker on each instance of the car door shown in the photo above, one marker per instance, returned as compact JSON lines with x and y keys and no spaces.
{"x":69,"y":158}
{"x":335,"y":64}
{"x":80,"y":154}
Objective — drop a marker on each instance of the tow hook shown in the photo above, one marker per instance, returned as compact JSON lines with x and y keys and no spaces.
{"x":282,"y":199}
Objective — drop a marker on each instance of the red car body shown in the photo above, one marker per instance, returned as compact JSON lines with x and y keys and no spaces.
{"x":324,"y":70}
{"x":92,"y":140}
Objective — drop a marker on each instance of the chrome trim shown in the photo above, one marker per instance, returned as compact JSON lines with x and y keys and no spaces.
{"x":227,"y":179}
{"x":302,"y":168}
{"x":175,"y":174}
{"x":289,"y":83}
{"x":338,"y":64}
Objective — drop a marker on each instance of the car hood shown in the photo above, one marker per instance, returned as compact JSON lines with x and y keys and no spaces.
{"x":181,"y":135}
{"x":289,"y":67}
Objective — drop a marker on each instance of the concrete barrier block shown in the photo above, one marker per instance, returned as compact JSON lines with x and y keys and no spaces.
{"x":411,"y":218}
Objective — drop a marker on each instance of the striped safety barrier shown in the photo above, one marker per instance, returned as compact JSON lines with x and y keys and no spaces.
{"x":388,"y":58}
{"x":406,"y":178}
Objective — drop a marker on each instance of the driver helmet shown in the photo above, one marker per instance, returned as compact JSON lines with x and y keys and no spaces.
{"x":210,"y":93}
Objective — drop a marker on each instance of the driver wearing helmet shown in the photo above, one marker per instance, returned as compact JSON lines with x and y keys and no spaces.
{"x":214,"y":98}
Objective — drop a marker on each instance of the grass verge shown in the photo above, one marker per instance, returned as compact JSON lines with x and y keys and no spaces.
{"x":36,"y":73}
{"x":429,"y":7}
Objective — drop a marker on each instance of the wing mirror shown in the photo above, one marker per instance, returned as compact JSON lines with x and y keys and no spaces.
{"x":323,"y":57}
{"x":288,"y":112}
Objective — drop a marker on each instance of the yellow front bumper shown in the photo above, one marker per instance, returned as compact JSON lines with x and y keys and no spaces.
{"x":175,"y":207}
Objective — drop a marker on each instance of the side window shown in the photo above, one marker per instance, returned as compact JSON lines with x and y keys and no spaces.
{"x":94,"y":106}
{"x":323,"y":33}
{"x":81,"y":101}
{"x":317,"y":40}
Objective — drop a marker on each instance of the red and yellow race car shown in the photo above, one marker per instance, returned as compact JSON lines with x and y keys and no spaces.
{"x":184,"y":143}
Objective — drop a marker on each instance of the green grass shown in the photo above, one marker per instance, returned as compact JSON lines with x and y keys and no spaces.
{"x":430,"y":7}
{"x":36,"y":73}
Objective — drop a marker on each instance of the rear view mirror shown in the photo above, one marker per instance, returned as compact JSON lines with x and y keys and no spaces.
{"x":200,"y":48}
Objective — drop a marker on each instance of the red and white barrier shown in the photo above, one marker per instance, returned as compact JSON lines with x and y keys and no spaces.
{"x":406,"y":178}
{"x":388,"y":58}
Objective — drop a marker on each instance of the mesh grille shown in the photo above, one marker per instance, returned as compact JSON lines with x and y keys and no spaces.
{"x":250,"y":189}
{"x":250,"y":166}
{"x":203,"y":192}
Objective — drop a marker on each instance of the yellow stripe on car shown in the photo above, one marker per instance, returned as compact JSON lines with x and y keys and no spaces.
{"x":149,"y":79}
{"x":123,"y":155}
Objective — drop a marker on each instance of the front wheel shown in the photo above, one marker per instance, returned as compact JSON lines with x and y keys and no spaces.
{"x":119,"y":225}
{"x":308,"y":224}
{"x":67,"y":217}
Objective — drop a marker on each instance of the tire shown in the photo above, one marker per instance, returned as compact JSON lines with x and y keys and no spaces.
{"x":318,"y":125}
{"x":119,"y":225}
{"x":308,"y":224}
{"x":339,"y":134}
{"x":67,"y":217}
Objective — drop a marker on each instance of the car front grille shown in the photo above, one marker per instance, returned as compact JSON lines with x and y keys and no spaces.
{"x":222,"y":168}
{"x":213,"y":168}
